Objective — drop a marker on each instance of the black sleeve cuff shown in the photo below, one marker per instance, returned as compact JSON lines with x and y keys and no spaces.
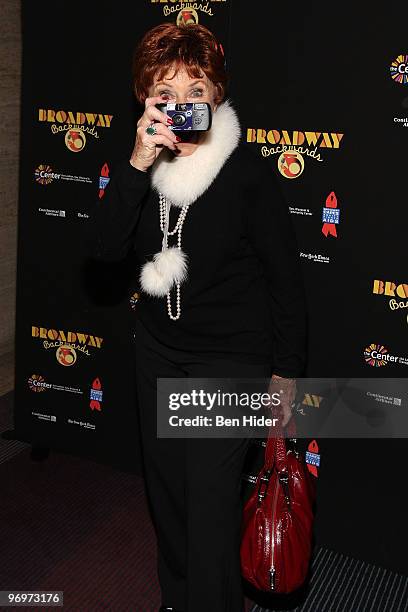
{"x":130,"y":175}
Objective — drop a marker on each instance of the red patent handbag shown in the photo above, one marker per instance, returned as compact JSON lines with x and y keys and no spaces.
{"x":277,"y":521}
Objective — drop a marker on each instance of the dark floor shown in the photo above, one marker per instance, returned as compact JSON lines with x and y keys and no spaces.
{"x":74,"y":525}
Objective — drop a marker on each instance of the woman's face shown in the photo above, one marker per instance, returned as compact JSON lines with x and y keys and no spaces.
{"x":183,"y":88}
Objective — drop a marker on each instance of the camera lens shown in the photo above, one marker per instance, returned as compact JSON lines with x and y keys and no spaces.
{"x":179,"y":119}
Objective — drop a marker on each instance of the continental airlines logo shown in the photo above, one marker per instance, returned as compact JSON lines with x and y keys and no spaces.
{"x":187,"y":12}
{"x":292,"y":147}
{"x":399,"y":69}
{"x":75,"y":126}
{"x":66,"y":344}
{"x":397,"y":294}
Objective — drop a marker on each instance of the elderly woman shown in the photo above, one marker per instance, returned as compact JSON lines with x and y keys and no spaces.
{"x":221,"y":295}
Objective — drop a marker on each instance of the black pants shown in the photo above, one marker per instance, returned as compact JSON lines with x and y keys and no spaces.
{"x":192,"y":486}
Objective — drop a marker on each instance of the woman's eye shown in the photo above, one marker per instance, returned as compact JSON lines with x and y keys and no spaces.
{"x":194,"y":93}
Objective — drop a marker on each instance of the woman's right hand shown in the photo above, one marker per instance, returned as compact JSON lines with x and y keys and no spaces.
{"x":148,"y":147}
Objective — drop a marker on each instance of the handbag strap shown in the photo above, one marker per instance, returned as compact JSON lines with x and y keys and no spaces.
{"x":275,"y":451}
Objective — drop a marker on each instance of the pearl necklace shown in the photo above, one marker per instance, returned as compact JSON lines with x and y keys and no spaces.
{"x":164,"y":226}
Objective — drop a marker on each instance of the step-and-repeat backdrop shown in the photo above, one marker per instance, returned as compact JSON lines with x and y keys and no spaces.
{"x":324,"y":98}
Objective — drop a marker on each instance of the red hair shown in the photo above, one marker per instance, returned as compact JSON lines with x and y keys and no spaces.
{"x":168,"y":44}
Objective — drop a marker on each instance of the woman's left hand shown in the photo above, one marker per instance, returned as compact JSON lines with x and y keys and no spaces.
{"x":286,"y":387}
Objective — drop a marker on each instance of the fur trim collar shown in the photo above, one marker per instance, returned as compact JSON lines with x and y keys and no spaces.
{"x":183,"y":179}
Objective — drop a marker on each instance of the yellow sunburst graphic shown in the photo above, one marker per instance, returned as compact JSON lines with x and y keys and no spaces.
{"x":376,"y":361}
{"x":399,"y":69}
{"x":34,"y":382}
{"x":43,"y":174}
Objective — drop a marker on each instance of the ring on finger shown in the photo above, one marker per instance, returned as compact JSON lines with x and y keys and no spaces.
{"x":151,"y":130}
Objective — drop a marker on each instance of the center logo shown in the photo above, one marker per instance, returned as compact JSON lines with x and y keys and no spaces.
{"x":399,"y":69}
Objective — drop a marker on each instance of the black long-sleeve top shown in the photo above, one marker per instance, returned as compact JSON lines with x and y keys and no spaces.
{"x":244,"y":296}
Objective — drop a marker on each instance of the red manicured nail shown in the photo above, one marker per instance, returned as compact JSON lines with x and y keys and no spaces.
{"x":178,"y":138}
{"x":169,"y":120}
